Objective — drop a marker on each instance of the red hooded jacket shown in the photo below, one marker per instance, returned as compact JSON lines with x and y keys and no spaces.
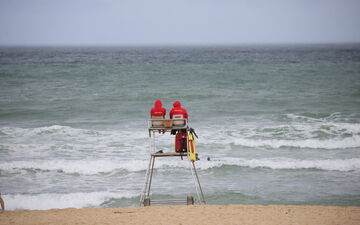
{"x":158,"y":110}
{"x":178,"y":110}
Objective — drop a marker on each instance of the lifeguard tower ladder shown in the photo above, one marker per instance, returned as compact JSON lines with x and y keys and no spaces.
{"x":164,"y":126}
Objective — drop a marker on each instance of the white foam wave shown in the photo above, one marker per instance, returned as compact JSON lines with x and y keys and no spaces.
{"x":286,"y":163}
{"x":325,"y":135}
{"x":63,"y":140}
{"x":349,"y":142}
{"x":315,"y":116}
{"x":60,"y":201}
{"x":353,"y":128}
{"x":91,"y":167}
{"x":70,"y":132}
{"x":39,"y":130}
{"x":67,"y":140}
{"x":85,"y":167}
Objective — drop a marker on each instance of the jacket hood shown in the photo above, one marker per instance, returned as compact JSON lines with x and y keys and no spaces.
{"x":158,"y":104}
{"x":177,"y":104}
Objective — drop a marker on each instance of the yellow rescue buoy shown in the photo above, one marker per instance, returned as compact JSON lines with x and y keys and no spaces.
{"x":192,"y":150}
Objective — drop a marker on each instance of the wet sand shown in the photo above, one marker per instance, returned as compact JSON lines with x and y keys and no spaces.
{"x":209,"y":214}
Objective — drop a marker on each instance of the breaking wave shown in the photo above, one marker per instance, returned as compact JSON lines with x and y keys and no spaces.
{"x":286,"y":163}
{"x":349,"y":142}
{"x":84,"y":167}
{"x":102,"y":166}
{"x":66,"y":141}
{"x":324,"y":135}
{"x":59,"y":201}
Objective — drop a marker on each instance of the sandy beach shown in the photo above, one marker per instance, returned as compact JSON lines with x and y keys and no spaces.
{"x":209,"y":214}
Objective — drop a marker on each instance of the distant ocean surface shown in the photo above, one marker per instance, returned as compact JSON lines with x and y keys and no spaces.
{"x":281,"y":124}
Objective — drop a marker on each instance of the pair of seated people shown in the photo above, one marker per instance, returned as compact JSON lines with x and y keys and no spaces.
{"x":158,"y":112}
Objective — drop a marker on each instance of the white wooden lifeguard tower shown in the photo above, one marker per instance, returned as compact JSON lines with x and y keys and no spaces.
{"x":160,"y":125}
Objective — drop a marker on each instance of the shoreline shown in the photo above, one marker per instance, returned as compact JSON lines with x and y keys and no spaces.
{"x":196,"y":214}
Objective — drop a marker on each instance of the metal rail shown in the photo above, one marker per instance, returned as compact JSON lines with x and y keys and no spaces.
{"x":164,"y":128}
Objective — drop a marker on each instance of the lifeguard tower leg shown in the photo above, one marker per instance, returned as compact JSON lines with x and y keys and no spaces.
{"x":147,"y":182}
{"x":151,"y":174}
{"x":198,"y":184}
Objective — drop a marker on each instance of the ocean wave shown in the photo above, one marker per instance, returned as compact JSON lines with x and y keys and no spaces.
{"x":324,"y":135}
{"x":309,"y":116}
{"x":276,"y":142}
{"x":90,"y":167}
{"x":69,"y":132}
{"x":321,"y":117}
{"x":353,"y":128}
{"x":94,"y":167}
{"x":344,"y":165}
{"x":60,"y":201}
{"x":66,"y":140}
{"x":84,"y":167}
{"x":349,"y":142}
{"x":37,"y":130}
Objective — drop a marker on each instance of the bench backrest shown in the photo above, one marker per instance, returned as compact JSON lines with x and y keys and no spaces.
{"x":178,"y":120}
{"x":159,"y":122}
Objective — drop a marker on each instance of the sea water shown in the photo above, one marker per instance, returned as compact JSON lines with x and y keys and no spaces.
{"x":279,"y":124}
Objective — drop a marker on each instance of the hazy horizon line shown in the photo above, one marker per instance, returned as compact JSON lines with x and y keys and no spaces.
{"x":185,"y":45}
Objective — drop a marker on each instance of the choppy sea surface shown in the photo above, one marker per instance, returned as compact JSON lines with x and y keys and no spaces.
{"x":280,"y":124}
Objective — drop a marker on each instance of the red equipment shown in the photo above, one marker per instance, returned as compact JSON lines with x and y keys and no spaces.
{"x":181,"y":142}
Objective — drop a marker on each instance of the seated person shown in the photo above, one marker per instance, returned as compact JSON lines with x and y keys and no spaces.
{"x":158,"y":112}
{"x":178,"y":113}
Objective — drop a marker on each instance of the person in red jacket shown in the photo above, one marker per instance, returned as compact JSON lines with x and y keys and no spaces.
{"x":181,"y":135}
{"x":178,"y":110}
{"x":158,"y":110}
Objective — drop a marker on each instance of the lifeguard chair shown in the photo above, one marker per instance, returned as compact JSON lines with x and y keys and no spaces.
{"x":157,"y":121}
{"x":178,"y":123}
{"x":178,"y":120}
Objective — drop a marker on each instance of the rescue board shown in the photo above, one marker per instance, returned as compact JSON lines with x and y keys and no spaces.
{"x":192,"y":150}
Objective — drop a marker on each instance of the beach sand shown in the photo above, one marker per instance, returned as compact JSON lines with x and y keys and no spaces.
{"x":209,"y":214}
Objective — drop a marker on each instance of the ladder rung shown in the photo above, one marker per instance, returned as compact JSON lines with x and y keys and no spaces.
{"x":169,"y":154}
{"x":169,"y":200}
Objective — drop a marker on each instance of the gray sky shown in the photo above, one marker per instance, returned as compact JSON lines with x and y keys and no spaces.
{"x":177,"y":22}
